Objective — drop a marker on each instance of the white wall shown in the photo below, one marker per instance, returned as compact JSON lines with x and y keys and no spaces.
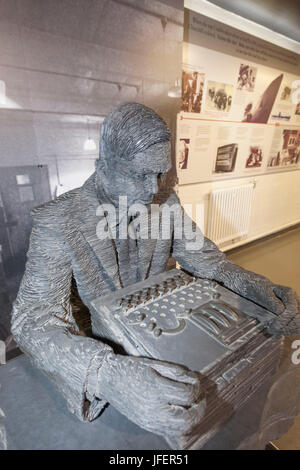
{"x":276,"y":203}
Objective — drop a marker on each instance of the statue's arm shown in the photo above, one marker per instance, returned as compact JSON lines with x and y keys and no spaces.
{"x":281,"y":300}
{"x":44,"y":328}
{"x":86,"y":371}
{"x":207,"y":261}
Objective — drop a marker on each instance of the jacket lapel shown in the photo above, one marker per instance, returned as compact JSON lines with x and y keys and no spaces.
{"x":104,"y":250}
{"x":147,"y":246}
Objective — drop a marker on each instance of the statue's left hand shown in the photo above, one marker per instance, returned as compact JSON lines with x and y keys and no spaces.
{"x":280,"y":300}
{"x":288,"y":321}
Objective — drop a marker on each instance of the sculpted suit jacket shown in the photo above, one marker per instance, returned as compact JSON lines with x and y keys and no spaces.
{"x":64,"y":245}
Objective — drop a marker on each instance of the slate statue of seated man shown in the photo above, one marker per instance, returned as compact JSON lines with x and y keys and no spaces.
{"x":134,"y":152}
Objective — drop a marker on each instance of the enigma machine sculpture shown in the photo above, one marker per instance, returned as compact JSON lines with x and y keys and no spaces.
{"x":198,"y":323}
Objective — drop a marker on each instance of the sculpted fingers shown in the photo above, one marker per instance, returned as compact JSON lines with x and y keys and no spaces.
{"x":173,"y":392}
{"x":288,"y":323}
{"x":284,"y":325}
{"x":187,"y":419}
{"x":175,"y":372}
{"x":173,"y":420}
{"x":293,"y":328}
{"x":193,"y":416}
{"x":275,"y":329}
{"x":154,"y":417}
{"x":160,"y":397}
{"x":273,"y":302}
{"x":288,"y":297}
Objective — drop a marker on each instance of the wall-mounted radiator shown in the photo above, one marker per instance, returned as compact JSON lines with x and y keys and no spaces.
{"x":229,"y":213}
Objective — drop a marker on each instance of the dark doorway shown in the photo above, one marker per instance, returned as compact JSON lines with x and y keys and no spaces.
{"x":21,"y":189}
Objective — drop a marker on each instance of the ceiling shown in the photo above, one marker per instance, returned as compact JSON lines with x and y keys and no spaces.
{"x":280,"y":16}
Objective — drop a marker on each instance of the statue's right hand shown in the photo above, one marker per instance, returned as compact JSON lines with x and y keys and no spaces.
{"x":161,"y":397}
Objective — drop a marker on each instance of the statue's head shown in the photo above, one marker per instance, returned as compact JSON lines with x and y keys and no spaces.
{"x":134,"y":151}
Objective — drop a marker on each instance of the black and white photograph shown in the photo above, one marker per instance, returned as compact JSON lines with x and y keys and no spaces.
{"x":218,"y":96}
{"x":255,"y":157}
{"x":226,"y":158}
{"x":246,"y":77}
{"x":184,"y":148}
{"x":192,"y":91}
{"x":288,"y":152}
{"x":286,"y":93}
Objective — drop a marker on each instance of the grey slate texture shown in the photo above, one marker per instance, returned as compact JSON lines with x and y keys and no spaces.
{"x":64,"y":244}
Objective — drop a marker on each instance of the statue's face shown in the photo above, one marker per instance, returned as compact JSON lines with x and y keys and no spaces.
{"x":137,"y":179}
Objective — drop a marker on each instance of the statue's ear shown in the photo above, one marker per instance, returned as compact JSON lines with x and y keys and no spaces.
{"x":101,"y":164}
{"x":97,"y":164}
{"x":101,"y":160}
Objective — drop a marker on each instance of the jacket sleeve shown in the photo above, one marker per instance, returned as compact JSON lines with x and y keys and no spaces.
{"x":205,"y":260}
{"x":194,"y":252}
{"x":45,"y":330}
{"x":201,"y":257}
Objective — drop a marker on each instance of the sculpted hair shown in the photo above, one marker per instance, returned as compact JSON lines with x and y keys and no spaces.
{"x":130,"y":129}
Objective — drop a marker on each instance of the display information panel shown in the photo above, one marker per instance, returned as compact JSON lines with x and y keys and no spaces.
{"x":240,"y":110}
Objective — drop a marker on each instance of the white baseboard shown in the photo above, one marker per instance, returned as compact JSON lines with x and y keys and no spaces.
{"x":257,"y":237}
